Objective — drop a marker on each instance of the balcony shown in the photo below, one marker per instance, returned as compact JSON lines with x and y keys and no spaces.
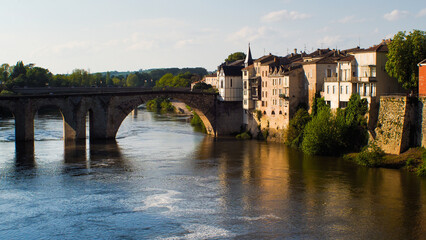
{"x":284,"y":96}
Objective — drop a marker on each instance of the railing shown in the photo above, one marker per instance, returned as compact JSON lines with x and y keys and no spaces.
{"x":351,"y":79}
{"x":283,"y":96}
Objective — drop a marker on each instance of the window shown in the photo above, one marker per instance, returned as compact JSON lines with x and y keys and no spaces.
{"x":281,"y":81}
{"x":328,"y":89}
{"x":334,"y":87}
{"x":373,"y":71}
{"x":341,"y":89}
{"x":221,"y":84}
{"x":347,"y":90}
{"x":231,"y":82}
{"x":245,"y":73}
{"x":328,"y":72}
{"x":245,"y":102}
{"x":273,"y":113}
{"x":343,"y":104}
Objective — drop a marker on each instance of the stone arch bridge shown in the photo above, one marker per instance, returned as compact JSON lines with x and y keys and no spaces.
{"x":108,"y":110}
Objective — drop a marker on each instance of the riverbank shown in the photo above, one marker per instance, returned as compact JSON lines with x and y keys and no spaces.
{"x":412,"y":160}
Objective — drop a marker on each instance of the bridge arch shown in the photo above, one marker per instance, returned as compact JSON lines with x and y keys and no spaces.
{"x":121,"y":107}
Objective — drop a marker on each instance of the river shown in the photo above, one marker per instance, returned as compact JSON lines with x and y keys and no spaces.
{"x":163,"y":180}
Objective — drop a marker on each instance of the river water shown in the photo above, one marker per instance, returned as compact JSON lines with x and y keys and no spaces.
{"x":163,"y":180}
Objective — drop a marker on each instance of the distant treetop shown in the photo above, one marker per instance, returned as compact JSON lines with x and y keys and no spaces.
{"x":235,"y":56}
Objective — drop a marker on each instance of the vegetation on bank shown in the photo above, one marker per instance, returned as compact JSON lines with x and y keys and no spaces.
{"x":196,"y":121}
{"x":29,"y":75}
{"x":329,"y":133}
{"x":162,"y":105}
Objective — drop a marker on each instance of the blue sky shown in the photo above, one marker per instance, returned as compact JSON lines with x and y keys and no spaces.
{"x":105,"y":35}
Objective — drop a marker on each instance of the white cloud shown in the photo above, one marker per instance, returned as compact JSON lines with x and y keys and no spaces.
{"x":323,"y":30}
{"x":329,"y":41}
{"x":250,"y":34}
{"x":71,"y":46}
{"x":395,"y":15}
{"x":184,"y":42}
{"x":351,"y":19}
{"x":422,"y":13}
{"x":284,"y":14}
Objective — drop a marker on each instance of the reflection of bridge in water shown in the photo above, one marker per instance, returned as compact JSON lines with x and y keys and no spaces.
{"x":108,"y":107}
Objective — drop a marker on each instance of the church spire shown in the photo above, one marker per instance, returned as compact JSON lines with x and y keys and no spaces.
{"x":249,"y":59}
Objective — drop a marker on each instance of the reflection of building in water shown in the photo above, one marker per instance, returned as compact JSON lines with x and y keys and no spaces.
{"x":274,"y":184}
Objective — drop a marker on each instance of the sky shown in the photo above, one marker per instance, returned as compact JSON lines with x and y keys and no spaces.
{"x":129,"y":35}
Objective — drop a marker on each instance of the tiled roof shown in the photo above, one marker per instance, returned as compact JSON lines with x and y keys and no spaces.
{"x":348,"y":58}
{"x":422,"y":63}
{"x":249,"y":67}
{"x":232,"y":70}
{"x":382,"y":47}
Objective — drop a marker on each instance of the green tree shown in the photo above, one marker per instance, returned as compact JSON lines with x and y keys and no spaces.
{"x":17,"y":70}
{"x":405,"y":52}
{"x":132,"y":80}
{"x":108,"y":79}
{"x":4,"y":73}
{"x":294,"y":133}
{"x":116,"y":81}
{"x":202,"y":86}
{"x":235,"y":56}
{"x":38,"y":77}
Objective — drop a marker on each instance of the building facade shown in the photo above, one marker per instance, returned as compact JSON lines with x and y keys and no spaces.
{"x":422,"y":78}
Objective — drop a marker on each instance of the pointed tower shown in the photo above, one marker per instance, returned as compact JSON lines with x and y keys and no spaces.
{"x":249,"y":59}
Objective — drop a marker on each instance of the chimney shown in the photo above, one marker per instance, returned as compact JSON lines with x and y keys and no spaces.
{"x":295,"y":51}
{"x":319,"y":51}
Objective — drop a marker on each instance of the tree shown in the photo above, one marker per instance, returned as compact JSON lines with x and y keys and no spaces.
{"x":296,"y":126}
{"x":132,"y":80}
{"x":405,"y":52}
{"x":4,"y":73}
{"x":38,"y":77}
{"x":202,"y":86}
{"x":235,"y":56}
{"x":18,"y":69}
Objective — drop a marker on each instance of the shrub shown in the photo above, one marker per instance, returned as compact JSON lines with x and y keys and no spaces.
{"x":198,"y":123}
{"x":421,"y":170}
{"x":370,"y":156}
{"x":166,"y":106}
{"x":6,"y":93}
{"x":321,"y":136}
{"x":258,"y":115}
{"x":294,"y":133}
{"x":160,"y":104}
{"x":244,"y":136}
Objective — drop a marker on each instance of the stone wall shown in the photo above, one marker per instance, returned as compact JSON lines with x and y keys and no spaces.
{"x":396,"y":124}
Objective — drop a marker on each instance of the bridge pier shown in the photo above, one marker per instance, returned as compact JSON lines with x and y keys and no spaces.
{"x":24,"y":122}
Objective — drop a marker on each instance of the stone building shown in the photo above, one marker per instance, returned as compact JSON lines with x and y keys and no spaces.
{"x":212,"y":80}
{"x":230,"y":81}
{"x":317,"y":66}
{"x":363,"y":72}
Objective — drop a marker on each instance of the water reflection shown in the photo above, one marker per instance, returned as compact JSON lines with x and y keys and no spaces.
{"x":289,"y":191}
{"x":24,"y":156}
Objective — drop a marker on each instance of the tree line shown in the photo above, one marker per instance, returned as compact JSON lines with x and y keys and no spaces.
{"x":21,"y":75}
